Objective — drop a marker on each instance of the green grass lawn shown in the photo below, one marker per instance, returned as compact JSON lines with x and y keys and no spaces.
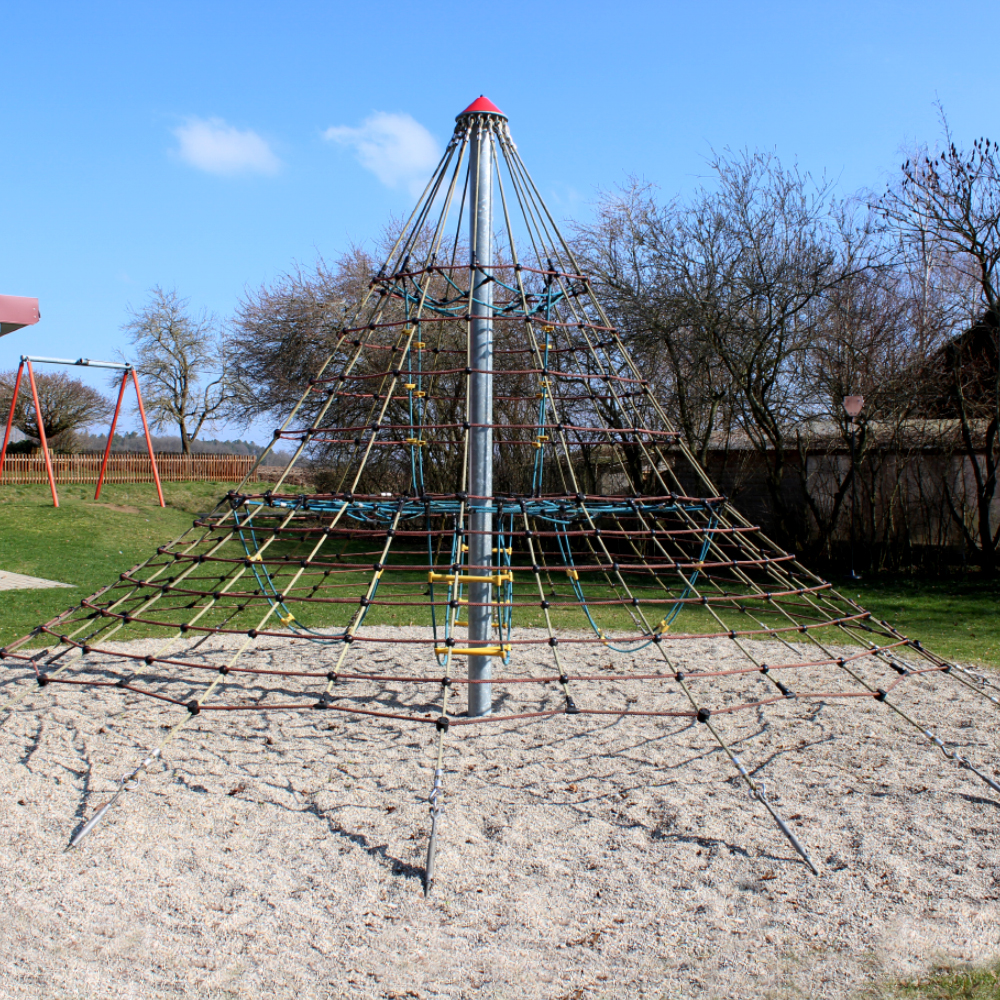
{"x":946,"y":984}
{"x":88,"y":544}
{"x":957,"y":617}
{"x":84,"y":543}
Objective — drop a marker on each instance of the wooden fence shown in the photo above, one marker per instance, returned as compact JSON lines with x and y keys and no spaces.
{"x":126,"y":467}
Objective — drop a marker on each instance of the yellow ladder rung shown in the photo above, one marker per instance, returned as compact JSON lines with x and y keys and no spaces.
{"x":409,"y":385}
{"x":502,"y":650}
{"x":572,"y":574}
{"x":416,"y":442}
{"x":496,"y":579}
{"x":508,"y":550}
{"x":420,"y":345}
{"x":286,"y":619}
{"x":419,"y":394}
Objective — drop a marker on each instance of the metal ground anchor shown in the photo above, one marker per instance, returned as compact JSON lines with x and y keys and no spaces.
{"x":436,"y":808}
{"x":758,"y":794}
{"x":127,"y":783}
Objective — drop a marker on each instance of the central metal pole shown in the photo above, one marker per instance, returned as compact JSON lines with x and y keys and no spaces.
{"x":854,"y":502}
{"x":481,"y":414}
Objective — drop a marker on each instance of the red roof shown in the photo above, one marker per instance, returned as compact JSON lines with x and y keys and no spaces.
{"x":17,"y":311}
{"x":483,"y":106}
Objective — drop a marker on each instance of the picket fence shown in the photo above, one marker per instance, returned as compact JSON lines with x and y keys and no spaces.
{"x":126,"y":467}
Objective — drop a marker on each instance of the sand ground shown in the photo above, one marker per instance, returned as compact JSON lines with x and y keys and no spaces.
{"x":281,"y":855}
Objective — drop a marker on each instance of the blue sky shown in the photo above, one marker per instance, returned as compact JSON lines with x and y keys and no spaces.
{"x":211,"y":146}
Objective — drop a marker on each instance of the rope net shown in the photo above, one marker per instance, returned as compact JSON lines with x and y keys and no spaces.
{"x":610,"y":549}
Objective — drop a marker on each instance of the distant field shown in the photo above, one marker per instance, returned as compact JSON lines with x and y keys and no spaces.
{"x":88,"y":544}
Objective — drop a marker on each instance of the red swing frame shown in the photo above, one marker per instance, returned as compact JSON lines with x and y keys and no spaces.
{"x":126,"y":370}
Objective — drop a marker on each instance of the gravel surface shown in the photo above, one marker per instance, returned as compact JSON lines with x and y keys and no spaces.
{"x":281,"y":854}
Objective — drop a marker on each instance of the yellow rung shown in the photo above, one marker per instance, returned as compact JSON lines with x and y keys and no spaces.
{"x":663,"y":627}
{"x":408,"y":331}
{"x":419,"y":394}
{"x":256,"y":557}
{"x":409,"y":385}
{"x":496,"y":579}
{"x":501,"y":650}
{"x":548,"y":329}
{"x":287,"y":619}
{"x":419,"y":345}
{"x":416,"y":442}
{"x":509,"y":550}
{"x":572,"y":574}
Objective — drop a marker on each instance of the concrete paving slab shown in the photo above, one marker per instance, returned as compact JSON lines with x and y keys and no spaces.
{"x":18,"y":581}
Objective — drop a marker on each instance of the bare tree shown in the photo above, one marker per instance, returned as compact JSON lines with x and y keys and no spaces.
{"x":282,"y":333}
{"x":635,"y":256}
{"x":723,"y":297}
{"x":947,"y":205}
{"x":67,"y":406}
{"x":175,"y":351}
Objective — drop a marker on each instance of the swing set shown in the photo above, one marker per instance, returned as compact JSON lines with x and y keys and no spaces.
{"x":127,"y":371}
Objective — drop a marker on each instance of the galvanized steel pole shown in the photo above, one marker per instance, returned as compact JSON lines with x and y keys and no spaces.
{"x":481,"y":412}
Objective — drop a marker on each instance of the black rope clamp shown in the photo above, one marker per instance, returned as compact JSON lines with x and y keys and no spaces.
{"x":193,"y":707}
{"x":881,"y":695}
{"x":42,"y":679}
{"x":442,"y":723}
{"x":223,"y":670}
{"x":704,"y":715}
{"x":553,"y":641}
{"x":149,"y":660}
{"x":764,"y":668}
{"x":571,"y":708}
{"x":785,"y":691}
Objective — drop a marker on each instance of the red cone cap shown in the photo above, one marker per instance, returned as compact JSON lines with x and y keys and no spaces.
{"x":482,"y":106}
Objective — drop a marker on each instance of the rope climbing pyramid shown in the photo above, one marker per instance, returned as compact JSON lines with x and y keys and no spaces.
{"x":511,"y":497}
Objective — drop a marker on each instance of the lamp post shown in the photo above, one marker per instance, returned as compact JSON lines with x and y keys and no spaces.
{"x":852,"y":407}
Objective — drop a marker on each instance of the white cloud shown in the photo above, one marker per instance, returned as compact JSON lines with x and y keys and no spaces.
{"x":212,"y":145}
{"x":396,"y":148}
